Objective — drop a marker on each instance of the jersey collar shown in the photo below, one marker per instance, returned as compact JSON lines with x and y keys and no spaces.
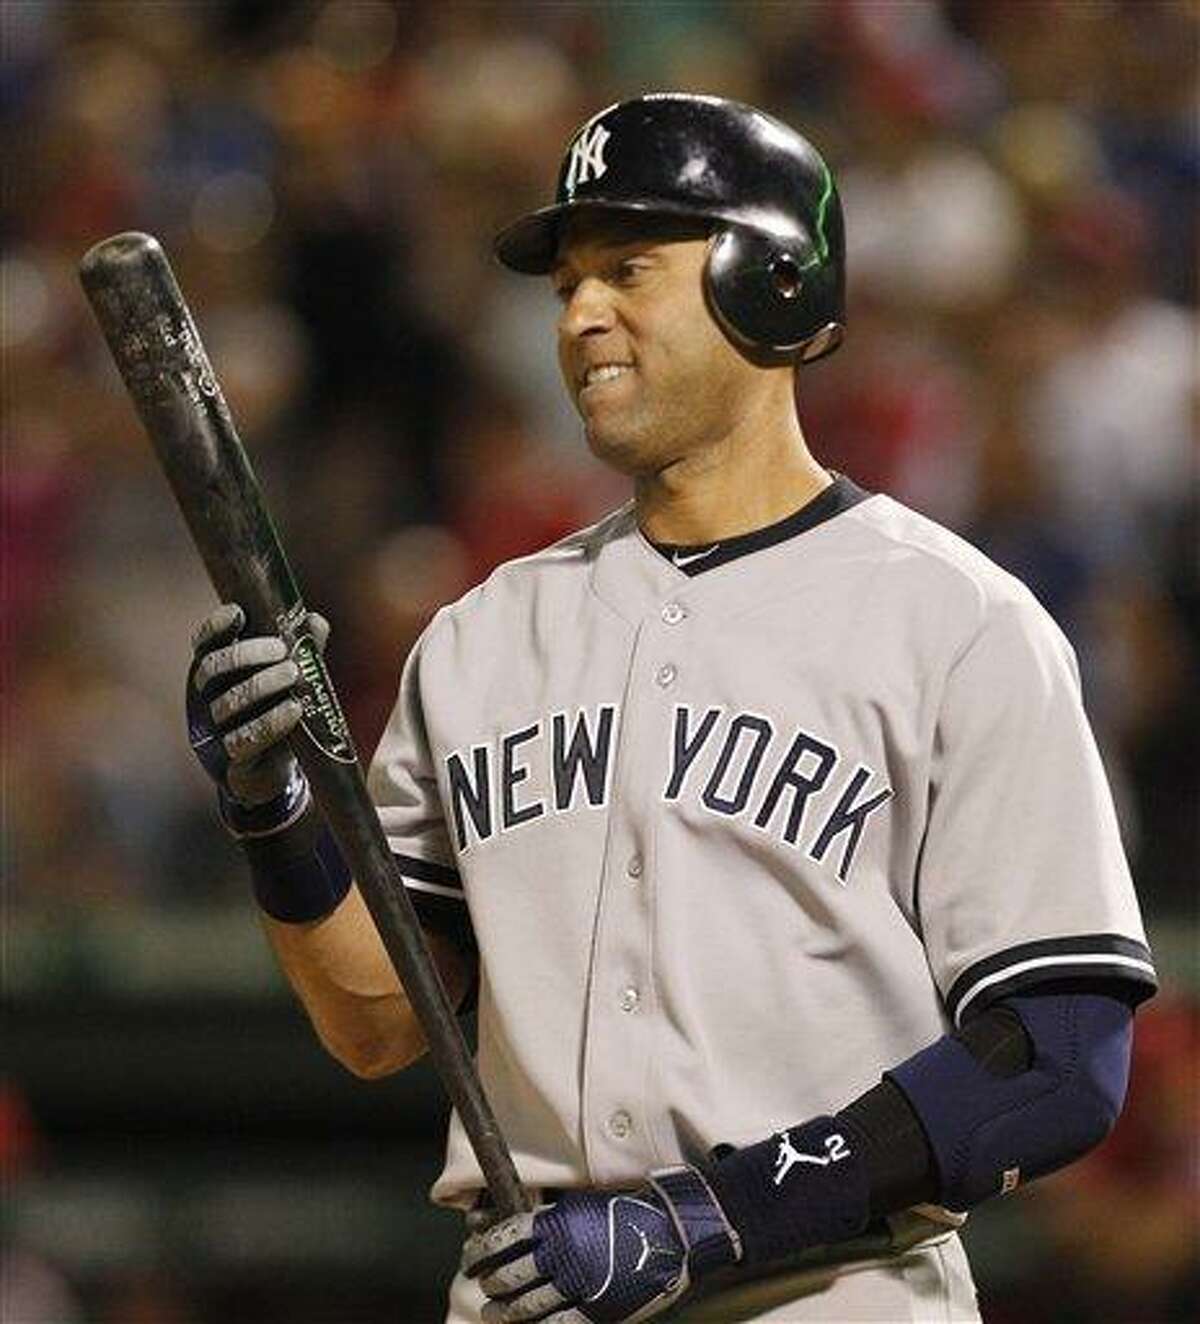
{"x":840,"y":495}
{"x":634,"y":579}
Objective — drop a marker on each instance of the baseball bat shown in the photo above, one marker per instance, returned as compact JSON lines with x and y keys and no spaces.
{"x":157,"y":349}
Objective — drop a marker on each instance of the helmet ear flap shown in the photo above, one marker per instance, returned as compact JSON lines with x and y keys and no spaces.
{"x":771,"y":295}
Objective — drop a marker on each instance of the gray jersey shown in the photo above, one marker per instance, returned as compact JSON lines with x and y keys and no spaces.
{"x":733,"y":845}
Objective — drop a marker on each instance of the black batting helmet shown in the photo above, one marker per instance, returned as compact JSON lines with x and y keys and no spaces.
{"x":775,"y":275}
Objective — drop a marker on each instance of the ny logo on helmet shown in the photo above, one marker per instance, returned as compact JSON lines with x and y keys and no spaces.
{"x":587,"y":157}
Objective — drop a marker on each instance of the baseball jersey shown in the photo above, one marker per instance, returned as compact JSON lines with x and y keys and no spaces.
{"x":733,"y":843}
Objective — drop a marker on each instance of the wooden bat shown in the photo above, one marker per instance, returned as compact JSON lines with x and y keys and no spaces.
{"x":158,"y":351}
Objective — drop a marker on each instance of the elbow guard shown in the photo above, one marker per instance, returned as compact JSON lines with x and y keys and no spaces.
{"x":998,"y":1111}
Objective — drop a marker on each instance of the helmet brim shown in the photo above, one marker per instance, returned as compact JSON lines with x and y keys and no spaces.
{"x":530,"y":244}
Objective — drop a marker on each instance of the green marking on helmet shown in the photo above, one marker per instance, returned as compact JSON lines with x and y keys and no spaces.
{"x":821,"y":255}
{"x":822,"y":206}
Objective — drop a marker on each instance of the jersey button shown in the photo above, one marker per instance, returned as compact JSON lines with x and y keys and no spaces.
{"x":665,"y":675}
{"x":630,"y":998}
{"x":673,"y":613}
{"x":620,"y":1124}
{"x":634,"y":867}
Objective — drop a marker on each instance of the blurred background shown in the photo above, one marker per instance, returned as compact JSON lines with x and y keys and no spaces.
{"x":1020,"y":181}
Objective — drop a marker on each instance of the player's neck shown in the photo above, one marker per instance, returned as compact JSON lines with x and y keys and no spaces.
{"x":738,"y":485}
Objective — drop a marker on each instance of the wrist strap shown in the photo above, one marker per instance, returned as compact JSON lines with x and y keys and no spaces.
{"x":901,"y":1171}
{"x":243,"y":821}
{"x":806,"y":1186}
{"x":297,"y":871}
{"x":710,"y":1238}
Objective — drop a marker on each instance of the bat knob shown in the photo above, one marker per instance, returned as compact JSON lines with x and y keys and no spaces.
{"x":131,"y":251}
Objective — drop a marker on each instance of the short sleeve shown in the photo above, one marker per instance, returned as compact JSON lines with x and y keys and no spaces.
{"x":1022,"y":875}
{"x":403,"y":784}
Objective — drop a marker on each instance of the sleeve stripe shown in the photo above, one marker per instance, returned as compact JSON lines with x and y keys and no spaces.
{"x":1114,"y":954}
{"x":427,"y":871}
{"x":435,"y":889}
{"x":1046,"y":962}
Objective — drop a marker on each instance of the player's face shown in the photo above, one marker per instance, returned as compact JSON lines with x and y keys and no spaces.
{"x":650,"y":372}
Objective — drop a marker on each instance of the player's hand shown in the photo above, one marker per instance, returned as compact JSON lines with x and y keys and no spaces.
{"x":602,"y":1255}
{"x":241,"y":708}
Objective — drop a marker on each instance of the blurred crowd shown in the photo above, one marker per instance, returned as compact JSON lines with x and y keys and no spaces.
{"x":1020,"y":186}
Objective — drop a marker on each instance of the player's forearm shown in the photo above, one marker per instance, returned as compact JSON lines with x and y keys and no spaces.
{"x":240,"y":712}
{"x":342,"y":975}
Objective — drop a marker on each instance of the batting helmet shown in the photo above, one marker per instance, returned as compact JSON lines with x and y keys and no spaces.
{"x":775,"y":275}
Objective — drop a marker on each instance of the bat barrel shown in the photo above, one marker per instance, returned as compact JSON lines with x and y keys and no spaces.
{"x":162,"y":360}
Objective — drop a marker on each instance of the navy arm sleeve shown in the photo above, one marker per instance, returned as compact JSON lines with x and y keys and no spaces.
{"x":1023,"y":1088}
{"x":990,"y":1126}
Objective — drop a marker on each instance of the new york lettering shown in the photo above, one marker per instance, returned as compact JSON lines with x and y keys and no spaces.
{"x":482,"y":799}
{"x":792,"y":785}
{"x":778,"y":790}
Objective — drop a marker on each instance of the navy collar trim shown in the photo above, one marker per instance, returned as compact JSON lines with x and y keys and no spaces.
{"x":842,"y":494}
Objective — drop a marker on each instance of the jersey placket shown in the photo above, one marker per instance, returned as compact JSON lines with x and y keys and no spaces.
{"x":622,"y":1009}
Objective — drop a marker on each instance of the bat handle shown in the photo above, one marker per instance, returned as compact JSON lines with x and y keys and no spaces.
{"x":343,"y":797}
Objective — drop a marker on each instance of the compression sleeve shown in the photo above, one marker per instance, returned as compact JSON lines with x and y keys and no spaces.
{"x":901,"y":1168}
{"x":1025,"y":1087}
{"x":991,"y":1126}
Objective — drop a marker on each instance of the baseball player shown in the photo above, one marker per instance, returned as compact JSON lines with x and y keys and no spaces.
{"x":762,"y":819}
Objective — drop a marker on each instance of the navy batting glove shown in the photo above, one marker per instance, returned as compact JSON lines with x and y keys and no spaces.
{"x":598,"y":1257}
{"x":240,"y":710}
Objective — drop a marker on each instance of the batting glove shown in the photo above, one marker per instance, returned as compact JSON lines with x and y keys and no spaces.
{"x":606,"y":1256}
{"x":240,"y":711}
